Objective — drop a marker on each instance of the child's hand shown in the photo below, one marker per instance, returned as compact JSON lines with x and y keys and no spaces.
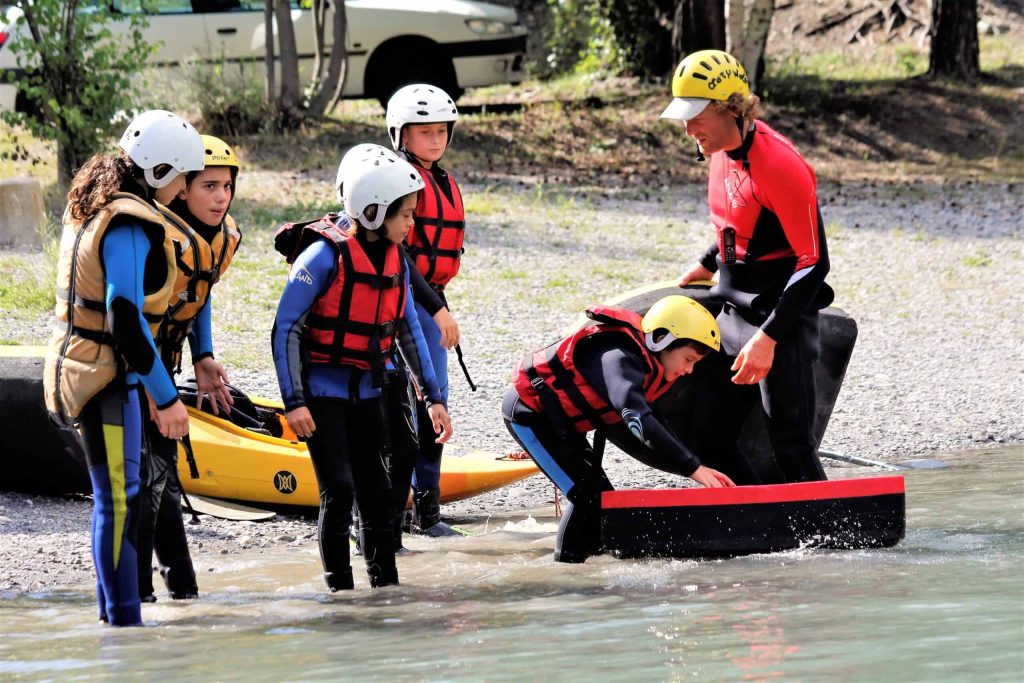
{"x":713,"y":479}
{"x":300,"y":420}
{"x":172,"y":421}
{"x":449,"y":328}
{"x":441,"y":421}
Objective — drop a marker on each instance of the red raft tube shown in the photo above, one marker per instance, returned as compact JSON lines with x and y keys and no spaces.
{"x":704,"y":523}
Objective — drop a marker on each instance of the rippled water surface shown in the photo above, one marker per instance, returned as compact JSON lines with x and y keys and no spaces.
{"x":946,"y":604}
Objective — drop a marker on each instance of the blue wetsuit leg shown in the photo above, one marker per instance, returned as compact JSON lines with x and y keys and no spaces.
{"x":111,"y":429}
{"x":428,"y":463}
{"x":574,"y":468}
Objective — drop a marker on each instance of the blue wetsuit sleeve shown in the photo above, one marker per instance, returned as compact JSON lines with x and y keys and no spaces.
{"x":200,"y":336}
{"x":425,"y":295}
{"x":310,"y":276}
{"x":616,"y":373}
{"x":124,"y":251}
{"x":414,"y":350}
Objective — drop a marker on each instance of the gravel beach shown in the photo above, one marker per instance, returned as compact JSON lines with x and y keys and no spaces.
{"x":932,"y":272}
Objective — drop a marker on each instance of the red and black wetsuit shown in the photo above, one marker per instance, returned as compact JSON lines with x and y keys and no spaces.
{"x":772,"y":257}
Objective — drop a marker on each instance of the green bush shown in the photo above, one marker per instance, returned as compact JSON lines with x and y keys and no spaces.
{"x":230,"y":97}
{"x":577,"y":38}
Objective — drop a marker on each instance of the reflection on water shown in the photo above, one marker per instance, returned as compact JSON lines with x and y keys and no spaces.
{"x":946,"y":604}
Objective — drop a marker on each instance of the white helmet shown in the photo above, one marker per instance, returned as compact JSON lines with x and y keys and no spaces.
{"x":159,"y":137}
{"x":377,"y":179}
{"x":419,"y":103}
{"x":353,"y":160}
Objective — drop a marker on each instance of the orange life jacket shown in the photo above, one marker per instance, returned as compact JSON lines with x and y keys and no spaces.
{"x":553,"y":369}
{"x":355,"y":322}
{"x":435,"y":242}
{"x":200,"y":265}
{"x":81,"y":359}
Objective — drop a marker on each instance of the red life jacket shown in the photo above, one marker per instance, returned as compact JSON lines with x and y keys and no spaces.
{"x":555,"y":367}
{"x":355,"y":322}
{"x":435,"y":243}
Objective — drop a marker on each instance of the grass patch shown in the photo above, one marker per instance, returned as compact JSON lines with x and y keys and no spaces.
{"x":977,"y":260}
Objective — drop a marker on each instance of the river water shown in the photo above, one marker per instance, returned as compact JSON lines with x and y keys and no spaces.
{"x":945,"y":604}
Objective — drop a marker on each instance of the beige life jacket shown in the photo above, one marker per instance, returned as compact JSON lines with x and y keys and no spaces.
{"x":200,"y":265}
{"x":81,"y":359}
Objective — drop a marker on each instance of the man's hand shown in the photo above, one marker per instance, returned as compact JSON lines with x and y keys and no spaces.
{"x":449,"y":328}
{"x":441,"y":421}
{"x":698,"y":272}
{"x":211,"y":380}
{"x":172,"y":421}
{"x":300,"y":421}
{"x":713,"y":479}
{"x":754,"y":360}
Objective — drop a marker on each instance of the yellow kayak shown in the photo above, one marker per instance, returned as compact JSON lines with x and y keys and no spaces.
{"x":241,"y":464}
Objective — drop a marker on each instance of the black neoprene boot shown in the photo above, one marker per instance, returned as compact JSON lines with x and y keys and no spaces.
{"x":579,"y":534}
{"x":340,"y":580}
{"x":382,"y":576}
{"x":427,"y":506}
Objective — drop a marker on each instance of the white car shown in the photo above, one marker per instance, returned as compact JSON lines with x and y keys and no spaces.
{"x":454,"y":44}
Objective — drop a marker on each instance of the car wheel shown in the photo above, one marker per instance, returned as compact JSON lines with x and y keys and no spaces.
{"x":411,"y":63}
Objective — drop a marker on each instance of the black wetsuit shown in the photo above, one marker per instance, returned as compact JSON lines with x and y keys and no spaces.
{"x":615,"y":370}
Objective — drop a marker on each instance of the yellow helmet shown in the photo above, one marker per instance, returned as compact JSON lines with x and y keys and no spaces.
{"x":684,"y":318}
{"x":701,"y":77}
{"x":218,"y":152}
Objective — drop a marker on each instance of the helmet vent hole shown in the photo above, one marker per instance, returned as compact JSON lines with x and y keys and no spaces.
{"x":137,"y":133}
{"x":700,"y":76}
{"x":707,"y":67}
{"x":422,"y":103}
{"x":422,"y":113}
{"x":717,"y":60}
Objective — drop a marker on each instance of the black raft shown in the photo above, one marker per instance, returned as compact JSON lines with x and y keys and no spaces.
{"x":706,"y":523}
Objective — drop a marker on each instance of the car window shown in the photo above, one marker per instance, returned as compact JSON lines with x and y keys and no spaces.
{"x":258,"y":4}
{"x":152,"y":6}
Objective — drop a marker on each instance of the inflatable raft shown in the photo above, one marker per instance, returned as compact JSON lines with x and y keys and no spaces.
{"x":707,"y":523}
{"x":253,"y":458}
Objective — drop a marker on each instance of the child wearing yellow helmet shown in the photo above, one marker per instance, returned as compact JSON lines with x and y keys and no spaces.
{"x":605,"y":376}
{"x":206,"y":239}
{"x":770,"y":252}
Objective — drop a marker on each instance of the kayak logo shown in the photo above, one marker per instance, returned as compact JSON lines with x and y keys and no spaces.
{"x":302,"y":275}
{"x":285,"y":483}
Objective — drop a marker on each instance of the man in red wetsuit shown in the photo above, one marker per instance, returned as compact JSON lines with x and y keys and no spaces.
{"x":769,"y":251}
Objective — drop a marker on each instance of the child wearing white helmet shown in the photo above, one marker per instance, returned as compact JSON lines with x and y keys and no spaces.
{"x":206,"y":239}
{"x":115,"y":277}
{"x":347,"y":305}
{"x":421,"y":122}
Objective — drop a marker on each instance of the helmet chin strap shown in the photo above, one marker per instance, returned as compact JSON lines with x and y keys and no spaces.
{"x":157,"y":184}
{"x":700,"y":154}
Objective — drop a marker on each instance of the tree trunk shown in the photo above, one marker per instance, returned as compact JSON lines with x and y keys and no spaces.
{"x":319,"y":18}
{"x":954,"y":50}
{"x":697,"y":25}
{"x":747,"y":34}
{"x":268,"y":42}
{"x":329,"y":93}
{"x":289,"y":115}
